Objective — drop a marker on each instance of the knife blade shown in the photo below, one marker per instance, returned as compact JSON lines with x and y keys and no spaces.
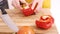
{"x":6,"y":18}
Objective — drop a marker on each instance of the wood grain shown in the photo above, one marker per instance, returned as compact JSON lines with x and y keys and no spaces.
{"x":21,"y":20}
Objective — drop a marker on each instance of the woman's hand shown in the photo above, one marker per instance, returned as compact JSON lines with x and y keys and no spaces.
{"x":16,"y":4}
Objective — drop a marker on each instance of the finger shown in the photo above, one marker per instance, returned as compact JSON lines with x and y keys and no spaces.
{"x":39,"y":4}
{"x":16,"y":4}
{"x":34,"y":3}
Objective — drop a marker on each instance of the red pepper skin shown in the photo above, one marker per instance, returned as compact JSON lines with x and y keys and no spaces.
{"x":45,"y":23}
{"x":28,"y":12}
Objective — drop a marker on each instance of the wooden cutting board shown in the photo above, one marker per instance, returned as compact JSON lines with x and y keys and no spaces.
{"x":21,"y":20}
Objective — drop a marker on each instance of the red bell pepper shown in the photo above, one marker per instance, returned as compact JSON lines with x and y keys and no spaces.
{"x":45,"y":22}
{"x":29,"y":11}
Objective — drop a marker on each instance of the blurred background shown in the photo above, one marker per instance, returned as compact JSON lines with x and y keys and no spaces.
{"x":7,"y":4}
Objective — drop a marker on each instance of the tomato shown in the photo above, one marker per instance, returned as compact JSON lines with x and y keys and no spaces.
{"x":26,"y":30}
{"x":45,"y":22}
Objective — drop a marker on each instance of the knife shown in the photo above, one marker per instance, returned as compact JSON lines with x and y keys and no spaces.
{"x":5,"y":17}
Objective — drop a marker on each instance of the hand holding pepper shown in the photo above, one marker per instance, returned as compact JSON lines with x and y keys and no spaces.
{"x":24,"y":7}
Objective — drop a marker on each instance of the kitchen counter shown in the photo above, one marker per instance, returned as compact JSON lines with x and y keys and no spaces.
{"x":21,"y":20}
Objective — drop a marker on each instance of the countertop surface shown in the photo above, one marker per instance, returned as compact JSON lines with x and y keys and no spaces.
{"x":21,"y":20}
